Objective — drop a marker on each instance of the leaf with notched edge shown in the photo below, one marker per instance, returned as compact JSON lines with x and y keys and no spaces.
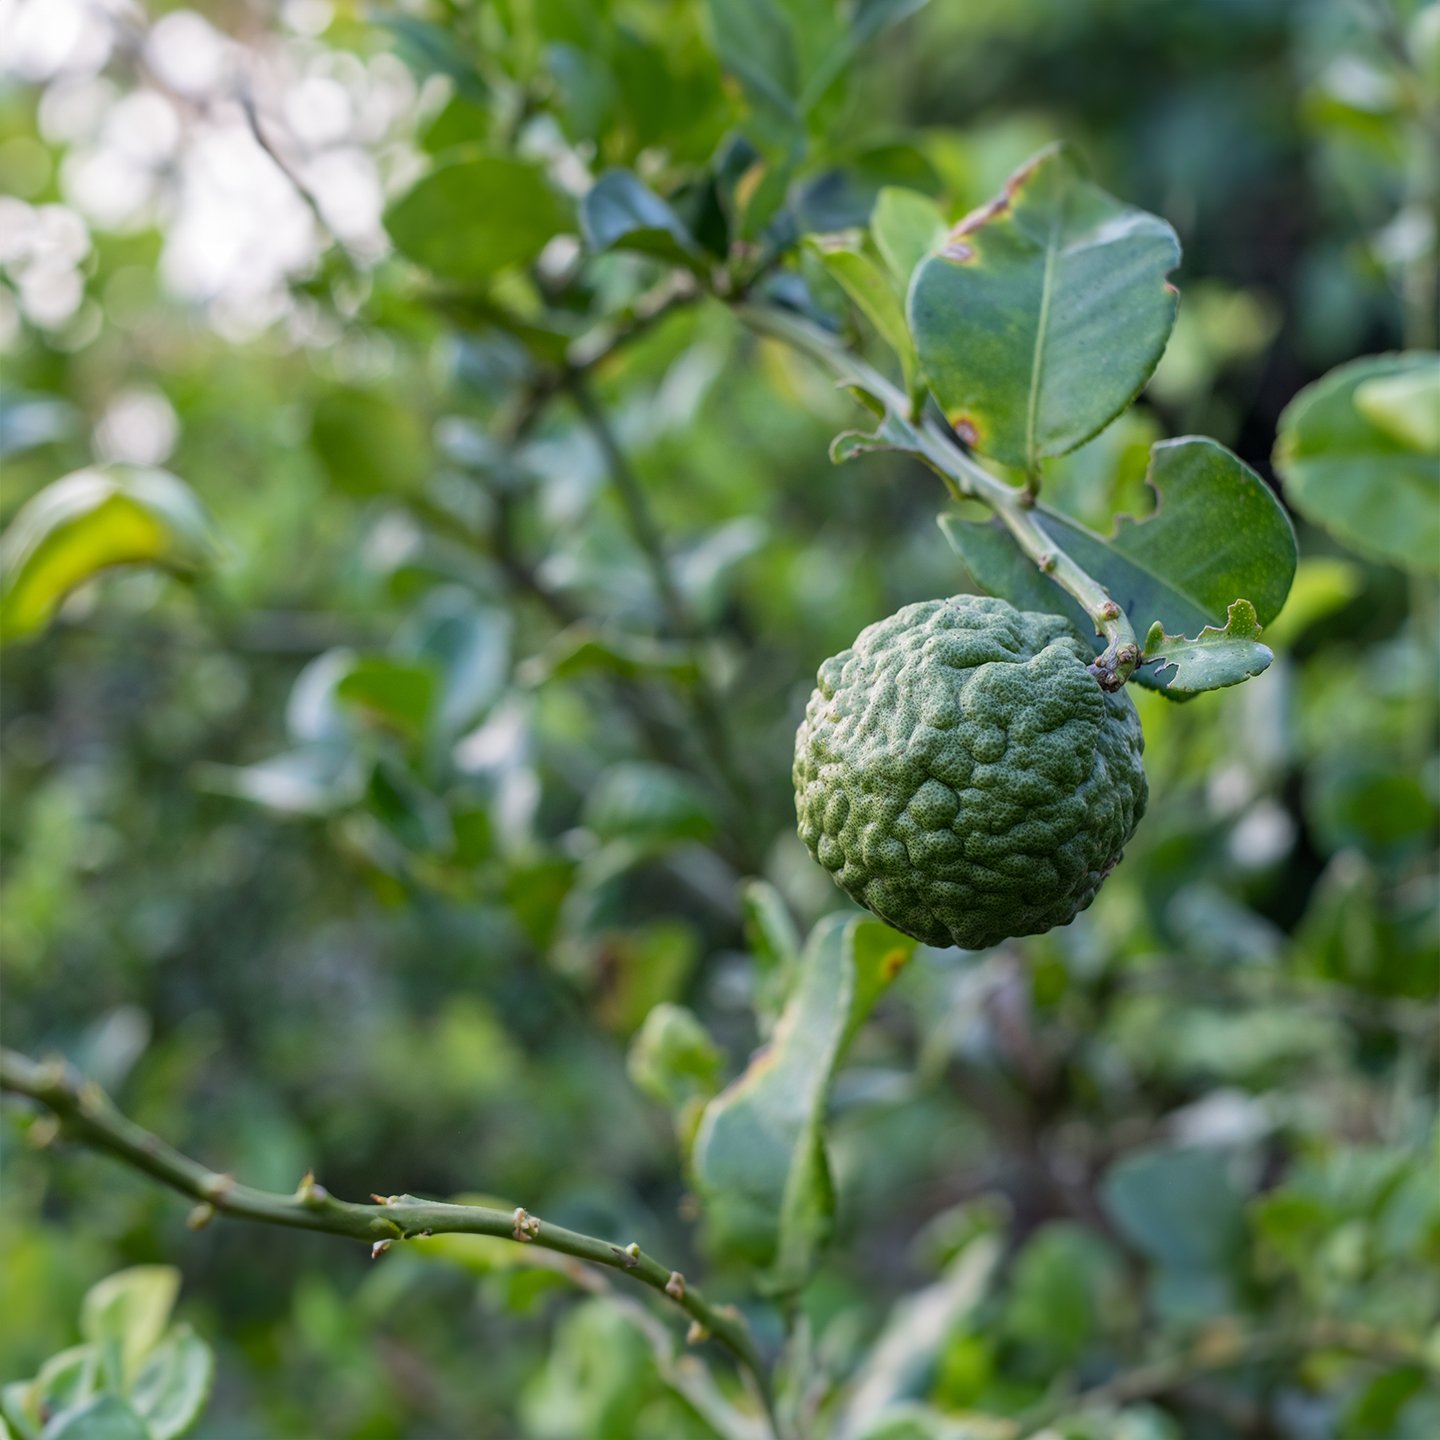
{"x":1045,"y":313}
{"x":1217,"y":535}
{"x":1213,"y":659}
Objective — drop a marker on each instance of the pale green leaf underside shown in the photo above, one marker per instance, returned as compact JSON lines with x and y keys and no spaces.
{"x":759,"y":1156}
{"x":1215,"y":658}
{"x":1044,"y":313}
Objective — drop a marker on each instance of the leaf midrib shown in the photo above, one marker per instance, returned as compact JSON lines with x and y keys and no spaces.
{"x":1042,"y":325}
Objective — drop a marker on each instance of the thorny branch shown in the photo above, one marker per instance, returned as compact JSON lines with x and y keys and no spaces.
{"x":87,"y":1114}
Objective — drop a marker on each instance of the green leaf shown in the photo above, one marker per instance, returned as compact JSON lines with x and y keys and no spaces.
{"x":89,"y":522}
{"x":1360,"y":456}
{"x":1181,"y":1210}
{"x":369,"y":443}
{"x":67,"y":1379}
{"x":392,"y":693}
{"x":1406,"y":406}
{"x":106,"y":1417}
{"x":1217,"y":535}
{"x":1045,"y":313}
{"x":583,"y":650}
{"x":313,"y":779}
{"x":874,"y":293}
{"x":672,"y":1057}
{"x":174,"y":1383}
{"x":775,"y":943}
{"x":647,"y":804}
{"x":906,"y":227}
{"x":17,"y":1402}
{"x":621,"y":212}
{"x":469,"y":645}
{"x":755,"y":42}
{"x":129,"y":1310}
{"x":900,"y":1364}
{"x":759,"y":1158}
{"x":476,"y":215}
{"x":1214,"y":658}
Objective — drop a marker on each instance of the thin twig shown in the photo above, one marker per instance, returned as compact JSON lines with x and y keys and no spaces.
{"x":966,"y":479}
{"x":708,"y":704}
{"x":88,"y":1115}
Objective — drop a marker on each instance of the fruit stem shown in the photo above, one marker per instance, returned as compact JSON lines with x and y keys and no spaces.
{"x":965,"y":478}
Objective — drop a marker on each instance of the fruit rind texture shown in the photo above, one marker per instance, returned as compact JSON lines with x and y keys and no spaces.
{"x":961,"y":774}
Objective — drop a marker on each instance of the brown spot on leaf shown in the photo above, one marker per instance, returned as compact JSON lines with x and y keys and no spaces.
{"x":966,"y":429}
{"x":894,"y":963}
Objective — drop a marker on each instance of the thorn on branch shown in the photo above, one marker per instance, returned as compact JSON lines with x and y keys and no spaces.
{"x":1110,"y":610}
{"x":629,"y":1257}
{"x":1047,"y":562}
{"x":200,"y":1216}
{"x":309,"y":1193}
{"x":526,"y":1227}
{"x":697,"y":1334}
{"x":216,"y":1188}
{"x":675,"y":1286}
{"x":379,"y":1248}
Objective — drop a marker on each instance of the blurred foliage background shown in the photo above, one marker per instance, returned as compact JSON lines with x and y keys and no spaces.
{"x":371,"y":851}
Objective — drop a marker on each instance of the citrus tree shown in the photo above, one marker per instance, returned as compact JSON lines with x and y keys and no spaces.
{"x":473,"y":607}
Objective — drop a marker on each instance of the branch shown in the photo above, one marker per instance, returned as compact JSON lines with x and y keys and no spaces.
{"x":1228,"y":1353}
{"x":708,"y":705}
{"x":966,"y":479}
{"x":89,"y":1115}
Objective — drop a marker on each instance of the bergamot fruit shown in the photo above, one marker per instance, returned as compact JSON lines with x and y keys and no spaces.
{"x":962,"y":774}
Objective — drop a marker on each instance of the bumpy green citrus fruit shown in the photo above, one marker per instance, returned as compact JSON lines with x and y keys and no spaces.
{"x":961,"y":773}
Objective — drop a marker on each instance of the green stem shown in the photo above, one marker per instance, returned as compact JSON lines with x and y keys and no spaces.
{"x":966,"y":478}
{"x":88,"y":1115}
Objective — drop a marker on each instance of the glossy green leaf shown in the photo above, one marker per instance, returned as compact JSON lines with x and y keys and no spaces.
{"x":873,"y":291}
{"x":174,"y":1383}
{"x":89,"y":522}
{"x":1217,"y":535}
{"x":906,"y":226}
{"x":1044,"y":313}
{"x":106,"y":1417}
{"x":621,"y":212}
{"x":370,"y":443}
{"x":1216,"y":657}
{"x":1360,"y":457}
{"x":473,"y":216}
{"x":130,"y":1310}
{"x":759,"y":1159}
